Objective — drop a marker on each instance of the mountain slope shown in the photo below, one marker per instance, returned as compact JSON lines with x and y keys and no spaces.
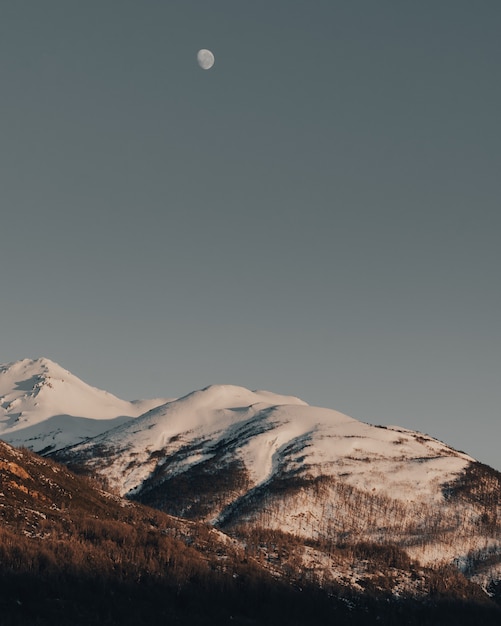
{"x":45,"y":407}
{"x":253,"y":462}
{"x":72,"y":553}
{"x":269,"y":436}
{"x":247,"y":460}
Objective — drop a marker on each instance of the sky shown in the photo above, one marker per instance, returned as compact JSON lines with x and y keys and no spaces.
{"x":317,"y":215}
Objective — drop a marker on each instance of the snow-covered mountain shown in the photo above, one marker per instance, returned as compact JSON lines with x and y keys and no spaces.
{"x":68,"y":547}
{"x":252,"y":460}
{"x":245,"y":460}
{"x":269,"y":437}
{"x":45,"y":407}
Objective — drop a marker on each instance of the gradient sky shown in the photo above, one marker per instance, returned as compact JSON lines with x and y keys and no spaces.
{"x":318,"y":214}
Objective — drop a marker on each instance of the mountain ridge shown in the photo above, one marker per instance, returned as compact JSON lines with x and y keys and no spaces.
{"x":72,"y":552}
{"x":250,"y":462}
{"x":45,"y":407}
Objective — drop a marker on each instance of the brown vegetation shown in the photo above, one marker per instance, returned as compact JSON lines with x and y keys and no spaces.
{"x":72,"y":553}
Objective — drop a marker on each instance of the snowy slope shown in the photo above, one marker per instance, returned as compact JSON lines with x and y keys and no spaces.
{"x":271,"y":435}
{"x":45,"y":407}
{"x":246,"y":460}
{"x":198,"y":420}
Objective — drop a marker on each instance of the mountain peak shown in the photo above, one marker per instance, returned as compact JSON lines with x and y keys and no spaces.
{"x":226,"y":396}
{"x":45,"y":407}
{"x":38,"y":365}
{"x":42,"y":361}
{"x":242,"y":459}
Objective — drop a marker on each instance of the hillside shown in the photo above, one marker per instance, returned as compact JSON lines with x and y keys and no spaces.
{"x":72,"y":553}
{"x":263,"y":487}
{"x":251,"y":460}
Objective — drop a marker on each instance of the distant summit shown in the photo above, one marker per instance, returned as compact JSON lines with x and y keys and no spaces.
{"x":45,"y":407}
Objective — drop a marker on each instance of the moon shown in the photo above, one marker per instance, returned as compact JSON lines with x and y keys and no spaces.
{"x":205,"y":59}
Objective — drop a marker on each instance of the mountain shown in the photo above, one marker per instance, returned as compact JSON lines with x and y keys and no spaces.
{"x":312,"y":495}
{"x":73,"y":553}
{"x":264,"y":438}
{"x":45,"y":407}
{"x":244,"y":461}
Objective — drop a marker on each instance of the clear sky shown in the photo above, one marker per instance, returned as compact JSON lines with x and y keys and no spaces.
{"x":318,"y":214}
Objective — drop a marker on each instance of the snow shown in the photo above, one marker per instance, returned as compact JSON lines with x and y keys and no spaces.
{"x":383,"y":478}
{"x":208,"y":415}
{"x":43,"y":405}
{"x":272,"y":434}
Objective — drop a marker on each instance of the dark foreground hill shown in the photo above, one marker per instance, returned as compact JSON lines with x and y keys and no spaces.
{"x":71,"y":553}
